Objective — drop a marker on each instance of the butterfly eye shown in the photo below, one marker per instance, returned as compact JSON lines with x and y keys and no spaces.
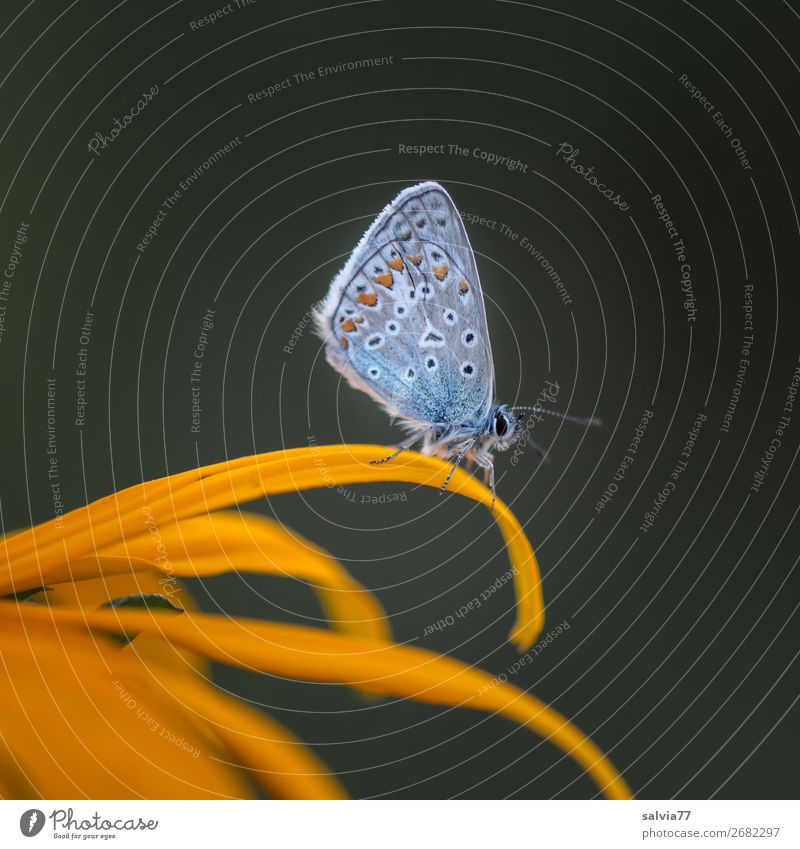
{"x":431,"y":364}
{"x":468,"y":369}
{"x":450,"y":317}
{"x":500,"y":424}
{"x":468,"y":338}
{"x":374,"y":372}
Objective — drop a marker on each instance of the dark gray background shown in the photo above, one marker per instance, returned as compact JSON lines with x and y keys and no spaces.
{"x":680,"y":658}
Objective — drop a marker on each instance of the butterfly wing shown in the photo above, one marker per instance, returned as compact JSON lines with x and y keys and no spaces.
{"x":404,"y":319}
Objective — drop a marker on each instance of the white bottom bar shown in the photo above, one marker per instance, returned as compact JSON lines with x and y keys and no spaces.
{"x":402,"y":824}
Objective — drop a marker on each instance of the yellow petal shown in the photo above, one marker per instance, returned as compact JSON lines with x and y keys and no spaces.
{"x":73,"y":697}
{"x":210,"y":545}
{"x":96,"y":592}
{"x":76,"y":725}
{"x":318,"y":655}
{"x":38,"y":554}
{"x":14,"y":783}
{"x":272,"y":755}
{"x":227,"y":541}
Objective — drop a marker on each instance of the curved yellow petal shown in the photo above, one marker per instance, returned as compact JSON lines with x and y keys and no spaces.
{"x":76,"y":724}
{"x":272,"y":755}
{"x":228,"y":541}
{"x":207,"y":545}
{"x":93,"y":593}
{"x":35,"y":553}
{"x":108,"y":585}
{"x":75,"y":697}
{"x":13,"y":781}
{"x":315,"y":654}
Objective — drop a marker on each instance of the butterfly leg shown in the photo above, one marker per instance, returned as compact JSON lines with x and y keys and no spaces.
{"x":456,"y":463}
{"x":487,"y":465}
{"x":403,"y":446}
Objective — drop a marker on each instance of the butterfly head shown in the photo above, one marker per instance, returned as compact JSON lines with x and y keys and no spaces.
{"x":504,"y":427}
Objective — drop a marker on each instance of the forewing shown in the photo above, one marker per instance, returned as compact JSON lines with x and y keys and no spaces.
{"x":404,"y":320}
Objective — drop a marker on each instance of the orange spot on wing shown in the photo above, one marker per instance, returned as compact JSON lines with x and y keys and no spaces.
{"x":415,"y":259}
{"x":367,"y":298}
{"x":343,"y":341}
{"x":404,"y":237}
{"x":463,"y":287}
{"x":396,"y":264}
{"x":385,"y":279}
{"x":348,"y":326}
{"x":441,"y":271}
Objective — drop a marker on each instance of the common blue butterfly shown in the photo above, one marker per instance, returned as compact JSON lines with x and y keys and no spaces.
{"x":404,"y":321}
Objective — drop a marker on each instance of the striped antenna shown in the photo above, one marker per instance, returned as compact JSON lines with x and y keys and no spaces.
{"x":586,"y":421}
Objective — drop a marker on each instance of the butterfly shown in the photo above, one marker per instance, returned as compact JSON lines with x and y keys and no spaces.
{"x":404,"y":321}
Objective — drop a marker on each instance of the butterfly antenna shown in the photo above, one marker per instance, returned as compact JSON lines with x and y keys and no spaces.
{"x":540,"y":451}
{"x":586,"y":421}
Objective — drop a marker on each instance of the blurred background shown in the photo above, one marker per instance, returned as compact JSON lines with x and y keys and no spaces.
{"x":183,"y":177}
